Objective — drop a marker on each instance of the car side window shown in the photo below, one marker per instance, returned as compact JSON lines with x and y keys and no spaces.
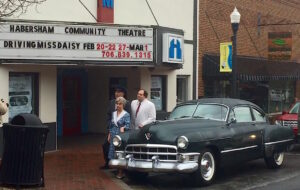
{"x":259,"y":117}
{"x":242,"y":114}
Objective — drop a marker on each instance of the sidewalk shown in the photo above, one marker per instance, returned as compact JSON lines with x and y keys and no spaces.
{"x":75,"y":166}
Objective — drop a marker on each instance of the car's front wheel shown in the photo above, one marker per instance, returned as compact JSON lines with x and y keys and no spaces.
{"x":207,"y":168}
{"x":275,"y":160}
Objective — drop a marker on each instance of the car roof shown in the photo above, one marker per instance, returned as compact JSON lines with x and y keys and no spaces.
{"x":230,"y":102}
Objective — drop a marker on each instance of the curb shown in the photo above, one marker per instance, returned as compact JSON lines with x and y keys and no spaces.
{"x":119,"y":182}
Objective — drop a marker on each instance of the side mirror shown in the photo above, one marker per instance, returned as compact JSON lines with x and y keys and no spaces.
{"x":232,"y":120}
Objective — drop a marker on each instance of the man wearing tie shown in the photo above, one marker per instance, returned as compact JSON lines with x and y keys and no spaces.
{"x":143,"y":111}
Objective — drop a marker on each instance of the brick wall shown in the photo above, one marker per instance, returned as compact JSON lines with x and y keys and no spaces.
{"x":215,"y":27}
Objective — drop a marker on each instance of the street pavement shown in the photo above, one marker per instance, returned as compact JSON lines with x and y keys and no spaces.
{"x":75,"y":166}
{"x":249,"y":176}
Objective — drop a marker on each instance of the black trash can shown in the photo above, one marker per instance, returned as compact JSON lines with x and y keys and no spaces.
{"x":24,"y":141}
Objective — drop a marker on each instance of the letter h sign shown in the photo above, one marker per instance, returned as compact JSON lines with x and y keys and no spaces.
{"x":108,"y":3}
{"x":173,"y":48}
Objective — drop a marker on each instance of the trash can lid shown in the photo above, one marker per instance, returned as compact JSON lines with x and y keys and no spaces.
{"x":26,"y":119}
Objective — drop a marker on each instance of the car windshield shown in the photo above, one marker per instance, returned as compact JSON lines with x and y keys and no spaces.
{"x":206,"y":111}
{"x":295,"y":108}
{"x":183,"y":111}
{"x":211,"y":111}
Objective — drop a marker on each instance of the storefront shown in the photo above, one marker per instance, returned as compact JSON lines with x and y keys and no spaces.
{"x":66,"y":72}
{"x":269,"y":84}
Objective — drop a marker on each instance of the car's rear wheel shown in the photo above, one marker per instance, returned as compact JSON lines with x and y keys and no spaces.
{"x":275,"y":160}
{"x":206,"y":170}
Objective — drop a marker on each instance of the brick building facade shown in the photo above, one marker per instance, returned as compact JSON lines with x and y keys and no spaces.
{"x":278,"y":83}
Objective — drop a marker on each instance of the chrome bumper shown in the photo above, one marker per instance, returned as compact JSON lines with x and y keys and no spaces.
{"x":153,"y":165}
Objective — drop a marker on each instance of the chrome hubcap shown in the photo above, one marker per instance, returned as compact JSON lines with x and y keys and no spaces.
{"x":207,"y":166}
{"x":278,"y":157}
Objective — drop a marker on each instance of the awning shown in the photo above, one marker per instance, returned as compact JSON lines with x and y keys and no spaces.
{"x":252,"y":69}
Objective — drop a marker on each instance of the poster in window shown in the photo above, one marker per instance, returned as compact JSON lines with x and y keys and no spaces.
{"x":276,"y":95}
{"x":156,"y":92}
{"x":20,"y":95}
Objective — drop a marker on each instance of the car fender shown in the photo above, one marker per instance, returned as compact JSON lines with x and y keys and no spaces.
{"x":277,"y":138}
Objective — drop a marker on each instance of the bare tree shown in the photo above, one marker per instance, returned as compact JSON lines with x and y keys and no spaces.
{"x":11,"y":7}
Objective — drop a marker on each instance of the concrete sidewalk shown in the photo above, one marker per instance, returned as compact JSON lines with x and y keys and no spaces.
{"x":75,"y":166}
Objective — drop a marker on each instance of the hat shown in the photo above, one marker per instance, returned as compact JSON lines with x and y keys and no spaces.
{"x":120,"y":89}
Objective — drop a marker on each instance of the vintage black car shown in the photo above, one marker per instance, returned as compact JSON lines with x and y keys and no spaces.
{"x":201,"y":136}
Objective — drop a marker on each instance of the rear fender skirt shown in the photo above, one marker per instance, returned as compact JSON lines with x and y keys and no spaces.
{"x":279,"y":146}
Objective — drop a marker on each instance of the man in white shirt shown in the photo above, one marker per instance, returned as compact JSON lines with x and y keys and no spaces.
{"x":143,"y":111}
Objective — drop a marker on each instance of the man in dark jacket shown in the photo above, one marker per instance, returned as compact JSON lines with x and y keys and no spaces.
{"x":119,"y":92}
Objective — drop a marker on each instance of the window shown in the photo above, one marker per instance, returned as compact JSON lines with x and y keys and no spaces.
{"x":182,"y":89}
{"x":23,"y":93}
{"x":158,"y":92}
{"x":242,"y":114}
{"x":259,"y":117}
{"x":217,"y":88}
{"x":281,"y":95}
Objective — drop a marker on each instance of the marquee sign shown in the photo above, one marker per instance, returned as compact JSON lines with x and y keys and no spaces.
{"x":75,"y":42}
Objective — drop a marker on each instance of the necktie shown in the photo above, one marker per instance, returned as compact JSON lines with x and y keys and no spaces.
{"x":138,"y":108}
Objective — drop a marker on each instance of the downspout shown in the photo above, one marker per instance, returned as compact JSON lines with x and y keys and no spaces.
{"x":195,"y":49}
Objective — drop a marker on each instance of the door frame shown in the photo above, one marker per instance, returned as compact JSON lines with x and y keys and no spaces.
{"x":84,"y":105}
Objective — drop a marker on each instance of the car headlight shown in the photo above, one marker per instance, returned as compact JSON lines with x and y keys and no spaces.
{"x":117,"y":141}
{"x":278,"y":122}
{"x":182,"y":142}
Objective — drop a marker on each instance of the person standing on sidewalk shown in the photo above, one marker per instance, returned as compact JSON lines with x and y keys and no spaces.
{"x":120,"y":122}
{"x":3,"y":110}
{"x":143,"y":111}
{"x":119,"y":92}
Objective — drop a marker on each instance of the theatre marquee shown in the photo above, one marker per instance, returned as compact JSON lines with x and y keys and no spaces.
{"x":58,"y":41}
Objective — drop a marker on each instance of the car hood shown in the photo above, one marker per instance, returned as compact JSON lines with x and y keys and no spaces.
{"x":167,"y":132}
